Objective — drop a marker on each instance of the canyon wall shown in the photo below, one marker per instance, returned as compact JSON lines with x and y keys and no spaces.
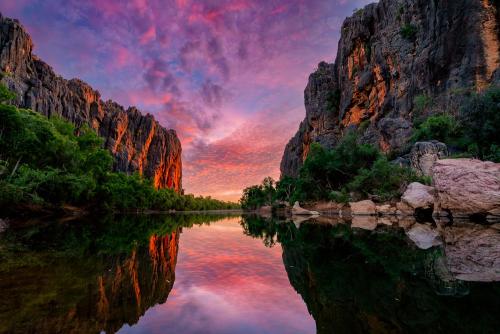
{"x":138,"y":142}
{"x":390,"y":55}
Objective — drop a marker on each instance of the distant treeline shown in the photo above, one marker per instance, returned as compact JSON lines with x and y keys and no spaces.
{"x":48,"y":163}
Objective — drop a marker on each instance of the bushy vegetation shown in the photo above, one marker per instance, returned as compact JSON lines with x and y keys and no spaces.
{"x":47,"y":162}
{"x":350,"y":171}
{"x":473,"y":132}
{"x":409,"y":31}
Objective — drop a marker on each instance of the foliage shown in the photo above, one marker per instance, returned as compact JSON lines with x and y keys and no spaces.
{"x":383,"y":181}
{"x":439,"y":127}
{"x":409,"y":31}
{"x":422,"y":102}
{"x":48,"y":162}
{"x":480,"y":121}
{"x":333,"y":101}
{"x":258,"y":195}
{"x":6,"y":95}
{"x":349,"y":168}
{"x":474,"y":132}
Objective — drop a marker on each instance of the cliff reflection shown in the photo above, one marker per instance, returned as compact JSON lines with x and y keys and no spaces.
{"x":361,"y":281}
{"x":85,"y":276}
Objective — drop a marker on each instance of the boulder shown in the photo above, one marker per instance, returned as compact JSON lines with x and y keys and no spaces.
{"x":424,"y":236}
{"x":424,"y":155}
{"x":297,"y":210}
{"x":385,"y":210}
{"x":404,"y":209}
{"x":466,"y":186}
{"x":364,"y":208}
{"x":418,"y":196}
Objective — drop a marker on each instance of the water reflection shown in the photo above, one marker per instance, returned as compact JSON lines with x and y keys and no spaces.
{"x":87,"y":277}
{"x":369,"y":277}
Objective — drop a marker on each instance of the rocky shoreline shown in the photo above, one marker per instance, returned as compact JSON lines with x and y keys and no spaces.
{"x":460,"y":189}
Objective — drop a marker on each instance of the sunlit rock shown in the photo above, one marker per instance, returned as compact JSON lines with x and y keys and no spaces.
{"x":466,"y":187}
{"x":386,"y":209}
{"x":366,"y":207}
{"x":297,"y":210}
{"x":418,"y":196}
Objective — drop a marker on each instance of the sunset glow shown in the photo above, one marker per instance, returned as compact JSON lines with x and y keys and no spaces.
{"x":228,"y":76}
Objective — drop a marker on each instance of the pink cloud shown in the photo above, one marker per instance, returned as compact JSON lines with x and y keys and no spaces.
{"x":227,"y":75}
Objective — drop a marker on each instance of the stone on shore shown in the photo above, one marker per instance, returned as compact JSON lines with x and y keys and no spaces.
{"x":385,"y":209}
{"x":363,"y":208}
{"x":297,"y":210}
{"x":404,"y":209}
{"x":418,"y":196}
{"x":467,"y":186}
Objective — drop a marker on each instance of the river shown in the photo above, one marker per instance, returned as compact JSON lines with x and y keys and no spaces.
{"x":200,"y":273}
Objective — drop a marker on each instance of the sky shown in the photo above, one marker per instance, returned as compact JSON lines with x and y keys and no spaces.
{"x":228,"y":76}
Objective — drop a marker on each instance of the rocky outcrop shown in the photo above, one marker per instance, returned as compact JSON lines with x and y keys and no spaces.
{"x":389,"y":54}
{"x":424,"y":155}
{"x":138,"y":142}
{"x":466,"y":187}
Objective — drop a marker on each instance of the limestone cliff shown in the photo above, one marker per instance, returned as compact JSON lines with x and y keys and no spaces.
{"x":389,"y":54}
{"x":138,"y":142}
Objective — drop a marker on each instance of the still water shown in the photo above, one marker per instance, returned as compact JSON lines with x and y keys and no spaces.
{"x":230,"y":274}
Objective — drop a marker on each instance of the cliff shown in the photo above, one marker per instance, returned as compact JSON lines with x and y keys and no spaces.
{"x":390,"y":55}
{"x":138,"y":142}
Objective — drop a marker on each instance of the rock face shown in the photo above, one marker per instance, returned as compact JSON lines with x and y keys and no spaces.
{"x":424,"y":155}
{"x":466,"y":186}
{"x":389,"y":54}
{"x":138,"y":142}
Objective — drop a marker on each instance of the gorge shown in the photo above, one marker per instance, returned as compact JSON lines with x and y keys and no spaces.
{"x":386,"y":214}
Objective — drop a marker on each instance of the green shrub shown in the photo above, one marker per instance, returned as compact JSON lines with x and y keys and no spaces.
{"x":409,"y":31}
{"x":440,"y":127}
{"x":474,"y":133}
{"x":480,"y":123}
{"x":383,"y":181}
{"x":422,"y":102}
{"x":6,"y":95}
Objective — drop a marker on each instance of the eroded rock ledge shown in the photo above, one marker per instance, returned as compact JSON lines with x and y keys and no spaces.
{"x":138,"y":142}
